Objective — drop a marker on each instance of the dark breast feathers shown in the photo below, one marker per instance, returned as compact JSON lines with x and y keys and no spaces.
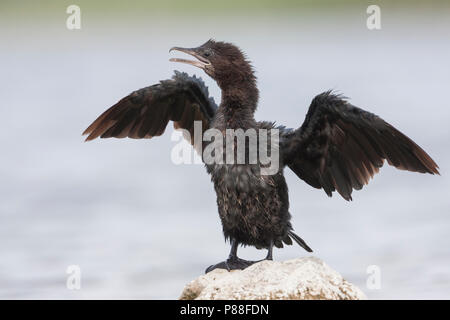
{"x":253,"y":207}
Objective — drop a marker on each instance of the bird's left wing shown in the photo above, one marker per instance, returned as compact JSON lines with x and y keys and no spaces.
{"x":340,"y":147}
{"x":145,"y":113}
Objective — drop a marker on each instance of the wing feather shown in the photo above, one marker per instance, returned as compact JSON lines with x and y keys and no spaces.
{"x":145,"y":113}
{"x":341,"y":147}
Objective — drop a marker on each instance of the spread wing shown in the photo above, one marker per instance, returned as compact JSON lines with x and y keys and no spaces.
{"x":340,"y":147}
{"x":146,"y":112}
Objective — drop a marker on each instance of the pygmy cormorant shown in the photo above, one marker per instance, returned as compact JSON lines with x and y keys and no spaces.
{"x":339,"y":147}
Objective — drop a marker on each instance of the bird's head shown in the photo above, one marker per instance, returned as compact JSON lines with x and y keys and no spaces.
{"x":224,"y":62}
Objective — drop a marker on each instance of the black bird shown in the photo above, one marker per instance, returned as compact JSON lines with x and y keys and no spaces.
{"x":339,"y":147}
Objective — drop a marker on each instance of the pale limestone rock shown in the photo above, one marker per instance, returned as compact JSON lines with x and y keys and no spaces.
{"x":298,"y":279}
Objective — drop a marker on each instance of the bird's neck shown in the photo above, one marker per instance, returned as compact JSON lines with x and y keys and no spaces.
{"x":240,"y":98}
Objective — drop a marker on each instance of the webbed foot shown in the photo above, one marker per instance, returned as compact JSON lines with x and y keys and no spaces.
{"x":233,"y":263}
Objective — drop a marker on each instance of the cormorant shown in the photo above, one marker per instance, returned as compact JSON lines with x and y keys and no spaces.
{"x":339,"y":147}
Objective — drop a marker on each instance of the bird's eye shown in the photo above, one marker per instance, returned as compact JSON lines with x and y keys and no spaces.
{"x":206,"y":54}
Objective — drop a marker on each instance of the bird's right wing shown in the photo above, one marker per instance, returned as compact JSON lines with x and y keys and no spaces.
{"x":340,"y":147}
{"x":146,"y":112}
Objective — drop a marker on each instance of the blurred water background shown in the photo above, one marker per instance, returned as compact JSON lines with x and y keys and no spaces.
{"x":141,"y":227}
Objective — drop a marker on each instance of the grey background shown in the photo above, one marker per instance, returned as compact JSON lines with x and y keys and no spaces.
{"x":142,"y":227}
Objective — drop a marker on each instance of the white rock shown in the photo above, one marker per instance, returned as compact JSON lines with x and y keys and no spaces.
{"x":299,"y":279}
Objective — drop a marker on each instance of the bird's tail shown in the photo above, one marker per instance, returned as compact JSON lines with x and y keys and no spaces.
{"x":300,"y":241}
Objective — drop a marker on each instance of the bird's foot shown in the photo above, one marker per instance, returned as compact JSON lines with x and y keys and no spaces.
{"x":234,"y":263}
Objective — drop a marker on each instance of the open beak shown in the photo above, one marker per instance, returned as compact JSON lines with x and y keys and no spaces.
{"x":200,"y":63}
